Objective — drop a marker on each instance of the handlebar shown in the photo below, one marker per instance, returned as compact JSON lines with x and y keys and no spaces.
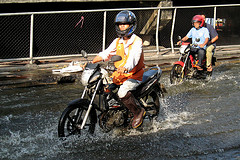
{"x":192,"y":45}
{"x":195,"y":45}
{"x":111,"y":68}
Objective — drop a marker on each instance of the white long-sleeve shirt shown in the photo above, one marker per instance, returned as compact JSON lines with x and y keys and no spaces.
{"x":134,"y":55}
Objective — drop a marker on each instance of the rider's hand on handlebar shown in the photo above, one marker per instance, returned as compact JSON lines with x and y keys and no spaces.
{"x":97,"y":59}
{"x":201,"y":45}
{"x":83,"y":65}
{"x":179,"y":42}
{"x":121,"y":70}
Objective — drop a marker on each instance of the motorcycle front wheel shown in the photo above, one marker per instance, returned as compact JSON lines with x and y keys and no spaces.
{"x":176,"y":75}
{"x":72,"y":118}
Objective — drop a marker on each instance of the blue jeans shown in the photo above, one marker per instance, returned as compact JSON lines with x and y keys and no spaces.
{"x":201,"y":54}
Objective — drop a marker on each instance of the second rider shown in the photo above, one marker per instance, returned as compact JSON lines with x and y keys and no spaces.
{"x":201,"y":33}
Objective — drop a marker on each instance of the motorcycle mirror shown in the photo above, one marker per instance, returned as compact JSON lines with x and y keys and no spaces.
{"x":179,"y":38}
{"x":197,"y":39}
{"x":116,"y":58}
{"x":84,"y":53}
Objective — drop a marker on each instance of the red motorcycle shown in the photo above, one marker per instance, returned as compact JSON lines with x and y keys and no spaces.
{"x":186,"y":66}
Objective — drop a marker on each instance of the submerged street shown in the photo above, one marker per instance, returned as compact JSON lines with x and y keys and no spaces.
{"x":199,"y":119}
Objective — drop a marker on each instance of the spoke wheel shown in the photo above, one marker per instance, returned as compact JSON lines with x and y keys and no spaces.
{"x":176,"y":75}
{"x":71,"y":121}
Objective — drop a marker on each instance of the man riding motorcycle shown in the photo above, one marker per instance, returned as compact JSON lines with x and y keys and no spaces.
{"x":200,"y":33}
{"x":130,"y":69}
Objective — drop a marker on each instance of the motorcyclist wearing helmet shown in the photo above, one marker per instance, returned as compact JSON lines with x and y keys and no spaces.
{"x":211,"y":43}
{"x":198,"y":32}
{"x":130,"y":69}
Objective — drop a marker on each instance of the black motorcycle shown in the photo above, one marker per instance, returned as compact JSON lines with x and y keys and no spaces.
{"x":82,"y":114}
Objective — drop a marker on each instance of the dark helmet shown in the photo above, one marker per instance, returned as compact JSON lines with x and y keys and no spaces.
{"x":198,"y":18}
{"x":126,"y":17}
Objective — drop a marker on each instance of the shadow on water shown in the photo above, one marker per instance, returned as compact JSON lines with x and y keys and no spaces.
{"x":199,"y":119}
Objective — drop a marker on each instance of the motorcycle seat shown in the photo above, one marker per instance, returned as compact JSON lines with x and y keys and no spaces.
{"x":147,"y":81}
{"x":149,"y":74}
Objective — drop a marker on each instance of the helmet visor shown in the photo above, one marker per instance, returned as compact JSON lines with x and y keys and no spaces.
{"x":123,"y":26}
{"x":194,"y":21}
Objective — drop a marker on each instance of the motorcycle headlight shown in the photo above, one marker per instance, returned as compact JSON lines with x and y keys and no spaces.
{"x":85,"y":76}
{"x":88,"y":76}
{"x":94,"y":77}
{"x":182,"y":49}
{"x":104,"y":73}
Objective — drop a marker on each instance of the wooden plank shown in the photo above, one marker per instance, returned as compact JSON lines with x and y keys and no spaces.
{"x":152,"y":21}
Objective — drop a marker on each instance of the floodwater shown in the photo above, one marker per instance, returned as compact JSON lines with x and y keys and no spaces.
{"x":199,"y":119}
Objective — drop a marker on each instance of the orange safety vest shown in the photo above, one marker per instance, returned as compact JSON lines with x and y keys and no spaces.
{"x":136,"y":72}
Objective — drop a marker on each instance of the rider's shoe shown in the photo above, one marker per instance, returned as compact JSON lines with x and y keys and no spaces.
{"x":138,"y":119}
{"x":134,"y":106}
{"x":209,"y":68}
{"x":199,"y":68}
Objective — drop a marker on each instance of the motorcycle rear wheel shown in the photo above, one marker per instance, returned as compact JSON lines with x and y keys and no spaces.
{"x":176,"y":75}
{"x":71,"y":121}
{"x":153,"y":100}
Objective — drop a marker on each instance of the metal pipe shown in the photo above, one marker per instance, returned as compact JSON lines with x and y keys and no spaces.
{"x":119,"y":9}
{"x":104,"y":30}
{"x":45,"y":57}
{"x":32,"y":14}
{"x":173,"y":25}
{"x":31,"y":40}
{"x":157,"y":41}
{"x":214,"y":17}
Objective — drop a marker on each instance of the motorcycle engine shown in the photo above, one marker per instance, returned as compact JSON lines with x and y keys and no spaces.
{"x":111,"y":119}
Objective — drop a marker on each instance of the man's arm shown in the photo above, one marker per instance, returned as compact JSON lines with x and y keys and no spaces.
{"x":182,"y":40}
{"x":97,"y":59}
{"x":205,"y":42}
{"x":189,"y":35}
{"x":213,"y":34}
{"x":206,"y":36}
{"x":213,"y":40}
{"x":106,"y":54}
{"x":134,"y":56}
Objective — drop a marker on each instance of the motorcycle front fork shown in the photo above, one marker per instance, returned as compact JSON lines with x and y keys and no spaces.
{"x":91,"y":102}
{"x":184,"y":65}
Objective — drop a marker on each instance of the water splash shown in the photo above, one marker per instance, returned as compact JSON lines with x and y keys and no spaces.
{"x":198,"y":119}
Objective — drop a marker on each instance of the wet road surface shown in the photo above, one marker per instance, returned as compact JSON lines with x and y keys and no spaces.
{"x":199,"y":119}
